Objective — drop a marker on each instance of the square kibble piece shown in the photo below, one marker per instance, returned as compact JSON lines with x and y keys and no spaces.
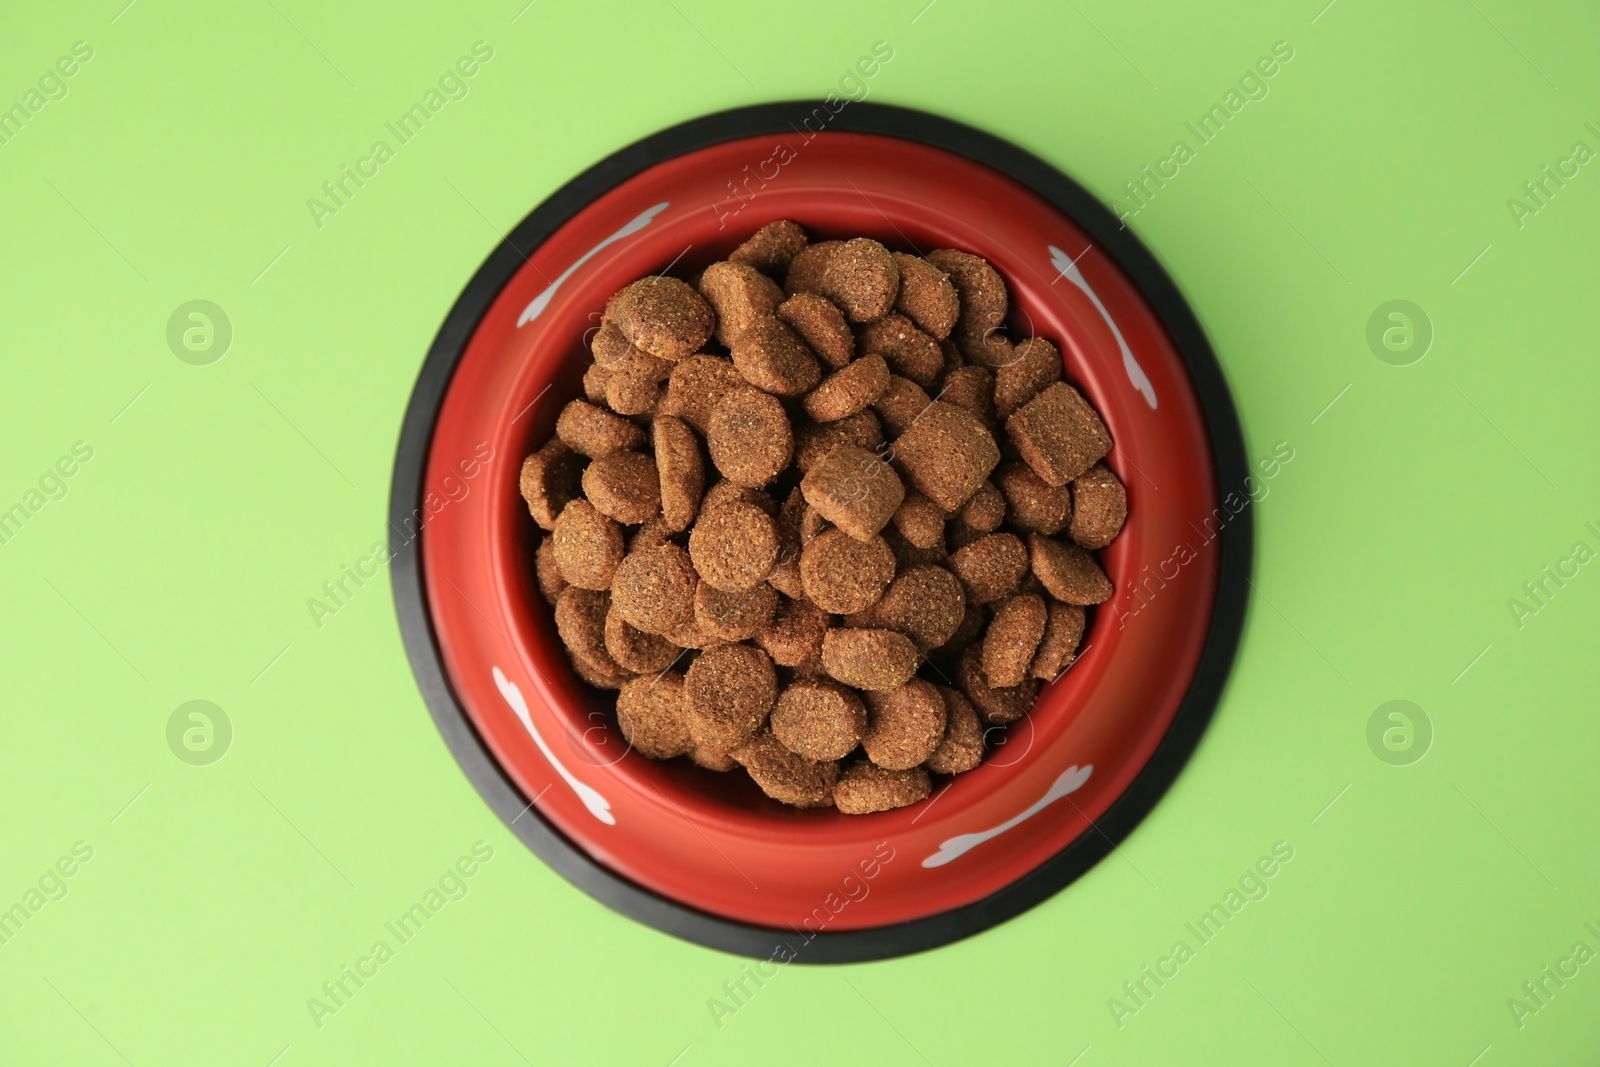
{"x":1058,"y":434}
{"x":947,"y":454}
{"x":855,"y":490}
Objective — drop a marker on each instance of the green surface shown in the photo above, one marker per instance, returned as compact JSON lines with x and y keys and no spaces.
{"x":179,"y":562}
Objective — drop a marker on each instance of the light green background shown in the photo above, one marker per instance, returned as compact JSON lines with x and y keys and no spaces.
{"x":179,"y":564}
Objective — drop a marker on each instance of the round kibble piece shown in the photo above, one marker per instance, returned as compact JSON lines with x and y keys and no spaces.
{"x":1063,"y":629}
{"x":1099,"y":507}
{"x":1068,"y":572}
{"x":653,"y":716}
{"x":654,"y":589}
{"x":663,"y":316}
{"x":926,"y":296}
{"x":906,"y":725}
{"x":771,"y":356}
{"x":813,"y":441}
{"x":712,"y":759}
{"x":869,"y":659}
{"x":961,"y":748}
{"x":980,"y":288}
{"x":633,"y":386}
{"x":696,"y":385}
{"x":900,"y":404}
{"x":594,"y":383}
{"x":853,"y":489}
{"x":807,"y":268}
{"x":749,"y":437}
{"x":1012,"y":639}
{"x":624,"y":486}
{"x":1035,"y":364}
{"x":990,"y":567}
{"x":861,"y":277}
{"x":728,"y":492}
{"x":819,"y":719}
{"x":907,"y":554}
{"x":1033,"y":504}
{"x":609,"y":345}
{"x":908,"y":351}
{"x":734,"y":616}
{"x":995,"y":706}
{"x":919,"y":520}
{"x":985,"y":510}
{"x":731,"y":688}
{"x":595,"y":431}
{"x":600,"y":674}
{"x":968,"y":630}
{"x":734,"y":546}
{"x":772,"y":248}
{"x":971,"y":389}
{"x":652,"y":534}
{"x":581,"y":625}
{"x":795,"y":633}
{"x":739,"y":294}
{"x":841,"y":574}
{"x":864,"y":787}
{"x":635,"y":650}
{"x":682,"y":471}
{"x":815,"y":318}
{"x":551,"y":478}
{"x":847,"y":391}
{"x":786,"y":776}
{"x":926,"y":603}
{"x":547,"y":571}
{"x":587,"y":545}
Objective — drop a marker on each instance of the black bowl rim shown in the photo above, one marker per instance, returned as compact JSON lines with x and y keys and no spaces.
{"x":1235,"y":542}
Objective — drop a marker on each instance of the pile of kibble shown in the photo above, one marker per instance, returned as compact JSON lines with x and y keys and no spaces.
{"x":829,"y":530}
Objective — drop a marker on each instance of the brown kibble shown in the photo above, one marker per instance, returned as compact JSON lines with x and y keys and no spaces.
{"x":733,"y":545}
{"x":968,"y":630}
{"x":594,"y":383}
{"x":990,"y":567}
{"x":864,"y":787}
{"x":682,"y":472}
{"x":547,"y":572}
{"x":906,"y":725}
{"x":734,"y":616}
{"x":587,"y":545}
{"x":739,"y":294}
{"x":1063,"y":629}
{"x":624,"y":486}
{"x":1034,"y":504}
{"x":959,"y":533}
{"x":807,"y":268}
{"x":813,"y":441}
{"x":995,"y":706}
{"x":653,"y":715}
{"x":749,"y":437}
{"x":946,"y":453}
{"x":594,"y":431}
{"x":550,"y":480}
{"x":985,"y":509}
{"x":785,"y":776}
{"x":990,"y":350}
{"x":972,"y":389}
{"x":663,"y":316}
{"x":1099,"y":507}
{"x":731,"y":688}
{"x":1035,"y":364}
{"x":601,"y":675}
{"x":926,"y":296}
{"x":853,"y":489}
{"x":961,"y":748}
{"x":925,"y":602}
{"x":610,"y":345}
{"x":841,"y":574}
{"x":772,"y":248}
{"x":908,"y":351}
{"x":726,"y":492}
{"x":795,"y":634}
{"x":771,"y":356}
{"x":1069,"y":573}
{"x":907,"y":554}
{"x":821,"y":325}
{"x":919,"y":520}
{"x":873,"y":660}
{"x":1012,"y":639}
{"x":690,"y":635}
{"x":581,"y":625}
{"x":695,"y":386}
{"x":635,"y":650}
{"x":847,"y":391}
{"x":654,"y":589}
{"x":651,"y":534}
{"x":634,"y":384}
{"x":1058,"y":434}
{"x":819,"y":719}
{"x":861,"y":277}
{"x":711,"y":759}
{"x":900,"y":403}
{"x":980,"y":288}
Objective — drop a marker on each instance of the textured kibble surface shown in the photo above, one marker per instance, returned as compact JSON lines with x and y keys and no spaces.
{"x":911,"y":595}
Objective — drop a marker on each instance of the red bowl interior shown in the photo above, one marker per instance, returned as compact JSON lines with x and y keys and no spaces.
{"x":712,"y":841}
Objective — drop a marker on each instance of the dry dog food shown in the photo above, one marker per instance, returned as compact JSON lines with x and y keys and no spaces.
{"x":931,"y":564}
